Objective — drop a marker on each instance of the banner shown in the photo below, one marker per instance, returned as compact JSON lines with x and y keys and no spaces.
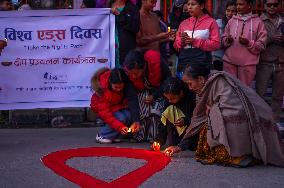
{"x":52,"y":55}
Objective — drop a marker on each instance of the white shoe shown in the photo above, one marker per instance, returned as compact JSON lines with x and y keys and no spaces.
{"x":103,"y":140}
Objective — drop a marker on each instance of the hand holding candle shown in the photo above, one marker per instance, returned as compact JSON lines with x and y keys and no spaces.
{"x":172,"y":150}
{"x":124,"y":130}
{"x":134,"y":128}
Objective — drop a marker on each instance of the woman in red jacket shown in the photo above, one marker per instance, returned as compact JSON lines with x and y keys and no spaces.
{"x":147,"y":71}
{"x":110,"y":104}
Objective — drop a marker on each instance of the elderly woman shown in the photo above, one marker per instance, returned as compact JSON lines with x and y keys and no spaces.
{"x":235,"y":125}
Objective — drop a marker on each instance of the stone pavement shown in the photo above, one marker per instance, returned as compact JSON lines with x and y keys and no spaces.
{"x":21,"y":150}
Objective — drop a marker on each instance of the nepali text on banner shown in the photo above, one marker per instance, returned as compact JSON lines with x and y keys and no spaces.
{"x":52,"y":55}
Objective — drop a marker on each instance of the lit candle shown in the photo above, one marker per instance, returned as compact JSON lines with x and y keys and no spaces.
{"x":169,"y":29}
{"x":156,"y":146}
{"x":129,"y":130}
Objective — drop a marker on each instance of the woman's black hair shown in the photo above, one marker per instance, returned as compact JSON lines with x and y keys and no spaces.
{"x":134,"y":59}
{"x":225,"y":19}
{"x":90,"y":3}
{"x":203,"y":2}
{"x":117,"y":76}
{"x":173,"y":86}
{"x":197,"y":69}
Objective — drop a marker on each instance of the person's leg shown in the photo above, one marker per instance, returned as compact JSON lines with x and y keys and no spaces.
{"x":263,"y":75}
{"x":109,"y":133}
{"x":127,"y":121}
{"x":247,"y":74}
{"x":232,"y":69}
{"x":277,"y":91}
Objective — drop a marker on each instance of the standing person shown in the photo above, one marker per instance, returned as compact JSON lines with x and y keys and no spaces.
{"x":244,"y":38}
{"x":197,"y":37}
{"x":147,"y":71}
{"x":164,"y":46}
{"x":272,"y":59}
{"x":150,"y":35}
{"x":230,"y":11}
{"x":110,"y":103}
{"x":179,"y":12}
{"x":177,"y":115}
{"x":127,"y":22}
{"x":235,"y":125}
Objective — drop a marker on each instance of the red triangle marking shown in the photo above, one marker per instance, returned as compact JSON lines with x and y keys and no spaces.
{"x":56,"y":161}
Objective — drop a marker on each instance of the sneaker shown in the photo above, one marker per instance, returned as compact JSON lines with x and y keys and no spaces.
{"x":103,"y":140}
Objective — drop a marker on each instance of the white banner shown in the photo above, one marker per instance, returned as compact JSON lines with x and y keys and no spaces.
{"x":52,"y":55}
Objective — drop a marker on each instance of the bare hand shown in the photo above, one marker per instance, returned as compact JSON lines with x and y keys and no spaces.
{"x":179,"y":122}
{"x":123,"y":130}
{"x":229,"y":40}
{"x":172,"y":150}
{"x":185,"y":39}
{"x":135,"y":127}
{"x":163,"y":35}
{"x":243,"y":41}
{"x":172,"y":36}
{"x":149,"y":99}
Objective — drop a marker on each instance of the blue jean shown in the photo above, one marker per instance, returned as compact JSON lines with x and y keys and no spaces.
{"x":110,"y":133}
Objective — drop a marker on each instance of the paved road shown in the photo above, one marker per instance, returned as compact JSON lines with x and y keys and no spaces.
{"x":20,"y":165}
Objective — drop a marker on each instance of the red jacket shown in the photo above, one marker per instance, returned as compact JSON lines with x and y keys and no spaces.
{"x":105,"y":102}
{"x":153,"y":60}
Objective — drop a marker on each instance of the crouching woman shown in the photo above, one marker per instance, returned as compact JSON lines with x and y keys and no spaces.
{"x":110,"y":103}
{"x":235,"y":125}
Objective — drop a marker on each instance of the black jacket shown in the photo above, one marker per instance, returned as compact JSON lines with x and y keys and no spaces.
{"x":186,"y":105}
{"x":127,"y":24}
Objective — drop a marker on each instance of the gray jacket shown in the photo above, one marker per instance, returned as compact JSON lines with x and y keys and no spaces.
{"x":274,"y":50}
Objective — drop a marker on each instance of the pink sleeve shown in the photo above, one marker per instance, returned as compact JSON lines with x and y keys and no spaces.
{"x":225,"y":35}
{"x":177,"y":43}
{"x":211,"y":44}
{"x":258,"y":45}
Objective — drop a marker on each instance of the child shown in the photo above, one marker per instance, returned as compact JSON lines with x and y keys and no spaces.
{"x":244,"y":38}
{"x":176,"y":117}
{"x":110,"y":104}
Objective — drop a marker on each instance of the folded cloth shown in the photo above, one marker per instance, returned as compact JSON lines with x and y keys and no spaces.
{"x":172,"y":114}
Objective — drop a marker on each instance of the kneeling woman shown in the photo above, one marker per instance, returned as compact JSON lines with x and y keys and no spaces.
{"x":110,"y":104}
{"x":176,"y":117}
{"x":234,"y":123}
{"x":147,"y":72}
